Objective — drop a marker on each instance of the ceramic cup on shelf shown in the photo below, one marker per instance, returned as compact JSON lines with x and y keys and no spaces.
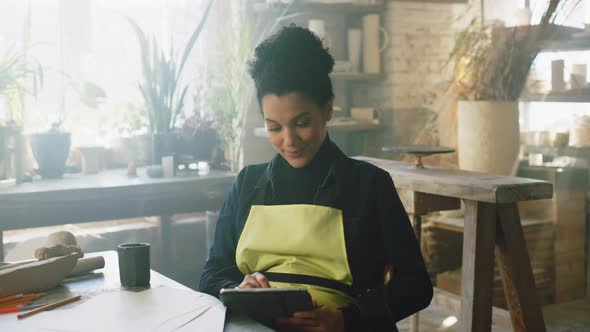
{"x":371,"y":48}
{"x":557,"y":81}
{"x":354,"y":48}
{"x":578,"y":76}
{"x":91,"y":159}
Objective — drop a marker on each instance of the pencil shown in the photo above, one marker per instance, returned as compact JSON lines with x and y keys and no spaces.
{"x":28,"y":297}
{"x":20,"y":301}
{"x":49,"y":306}
{"x":14,"y":304}
{"x":20,"y":308}
{"x":18,"y":297}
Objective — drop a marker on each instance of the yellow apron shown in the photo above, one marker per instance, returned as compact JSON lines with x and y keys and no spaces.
{"x":297,"y":239}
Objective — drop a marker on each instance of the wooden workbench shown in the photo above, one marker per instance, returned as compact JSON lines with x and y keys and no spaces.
{"x":491,"y":220}
{"x":108,"y":195}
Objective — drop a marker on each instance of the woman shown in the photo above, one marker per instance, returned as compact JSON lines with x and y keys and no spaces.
{"x":313,"y":217}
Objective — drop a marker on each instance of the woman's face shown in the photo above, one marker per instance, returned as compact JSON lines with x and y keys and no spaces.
{"x":295,"y":125}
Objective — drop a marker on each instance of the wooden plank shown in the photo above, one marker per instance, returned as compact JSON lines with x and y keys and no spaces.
{"x":532,"y":225}
{"x":463,"y":184}
{"x":478,"y":266}
{"x":318,"y":8}
{"x":422,"y":203}
{"x":515,"y":267}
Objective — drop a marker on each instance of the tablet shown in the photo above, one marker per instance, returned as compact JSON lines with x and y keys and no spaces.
{"x":266,"y":304}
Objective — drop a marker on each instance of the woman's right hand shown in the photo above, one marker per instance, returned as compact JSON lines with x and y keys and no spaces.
{"x":254,"y":280}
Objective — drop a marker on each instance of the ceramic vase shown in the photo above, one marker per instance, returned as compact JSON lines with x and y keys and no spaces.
{"x":488,"y":136}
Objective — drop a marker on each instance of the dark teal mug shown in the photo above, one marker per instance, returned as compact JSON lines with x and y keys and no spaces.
{"x":134,"y":264}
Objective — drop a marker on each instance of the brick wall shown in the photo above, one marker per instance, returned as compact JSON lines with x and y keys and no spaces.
{"x":421,"y":37}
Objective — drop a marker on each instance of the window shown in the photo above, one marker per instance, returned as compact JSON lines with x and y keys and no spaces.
{"x":78,"y":41}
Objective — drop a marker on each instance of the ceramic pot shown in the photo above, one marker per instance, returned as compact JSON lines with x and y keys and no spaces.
{"x":488,"y":136}
{"x":51,"y":150}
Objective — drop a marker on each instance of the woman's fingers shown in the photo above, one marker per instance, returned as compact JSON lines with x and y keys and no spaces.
{"x":249,"y":282}
{"x":254,"y":280}
{"x":261,"y":279}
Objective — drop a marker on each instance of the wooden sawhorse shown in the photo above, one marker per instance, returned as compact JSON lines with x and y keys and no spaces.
{"x":492,"y":222}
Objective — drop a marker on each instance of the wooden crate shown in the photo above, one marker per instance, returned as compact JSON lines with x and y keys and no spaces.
{"x":442,"y":246}
{"x":450,"y":281}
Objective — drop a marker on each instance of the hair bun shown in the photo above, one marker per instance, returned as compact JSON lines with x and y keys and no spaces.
{"x":293,"y":59}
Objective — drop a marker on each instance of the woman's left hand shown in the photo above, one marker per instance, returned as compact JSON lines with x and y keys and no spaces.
{"x":318,"y":320}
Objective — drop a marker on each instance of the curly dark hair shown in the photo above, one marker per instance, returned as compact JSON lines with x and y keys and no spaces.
{"x":293,"y":60}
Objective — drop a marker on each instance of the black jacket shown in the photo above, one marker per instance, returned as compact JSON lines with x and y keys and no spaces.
{"x":377,"y":232}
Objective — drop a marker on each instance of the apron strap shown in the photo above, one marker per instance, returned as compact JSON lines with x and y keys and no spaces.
{"x":309,"y":280}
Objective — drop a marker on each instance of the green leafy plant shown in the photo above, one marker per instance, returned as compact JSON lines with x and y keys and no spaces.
{"x":232,"y":92}
{"x":20,"y":74}
{"x":488,"y":62}
{"x":89,"y":94}
{"x":159,"y":87}
{"x":492,"y":63}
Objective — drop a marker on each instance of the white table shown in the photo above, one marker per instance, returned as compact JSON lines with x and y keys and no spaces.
{"x":107,"y":280}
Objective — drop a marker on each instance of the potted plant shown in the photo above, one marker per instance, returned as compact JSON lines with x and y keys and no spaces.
{"x":200,"y":140}
{"x":489,"y":69}
{"x":162,"y":96}
{"x":51,"y":148}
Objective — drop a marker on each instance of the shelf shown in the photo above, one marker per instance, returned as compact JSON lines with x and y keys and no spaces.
{"x":336,"y":126}
{"x":570,"y":96}
{"x":319,"y":8}
{"x":577,"y":40}
{"x":573,"y":44}
{"x":356,"y":76}
{"x":560,"y":38}
{"x":568,"y":151}
{"x":352,"y":126}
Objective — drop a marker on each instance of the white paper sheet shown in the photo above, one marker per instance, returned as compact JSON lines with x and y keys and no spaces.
{"x":160,"y":309}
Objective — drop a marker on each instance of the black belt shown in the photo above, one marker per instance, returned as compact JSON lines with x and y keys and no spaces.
{"x":309,"y":280}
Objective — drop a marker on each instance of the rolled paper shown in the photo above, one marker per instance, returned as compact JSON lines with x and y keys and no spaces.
{"x":86,"y":265}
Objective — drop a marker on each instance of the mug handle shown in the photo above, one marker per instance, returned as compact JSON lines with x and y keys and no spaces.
{"x":385,"y":39}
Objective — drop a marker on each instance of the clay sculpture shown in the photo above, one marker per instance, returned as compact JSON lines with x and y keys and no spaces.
{"x":56,"y":260}
{"x":57,"y":251}
{"x":63,"y":237}
{"x":35,"y":276}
